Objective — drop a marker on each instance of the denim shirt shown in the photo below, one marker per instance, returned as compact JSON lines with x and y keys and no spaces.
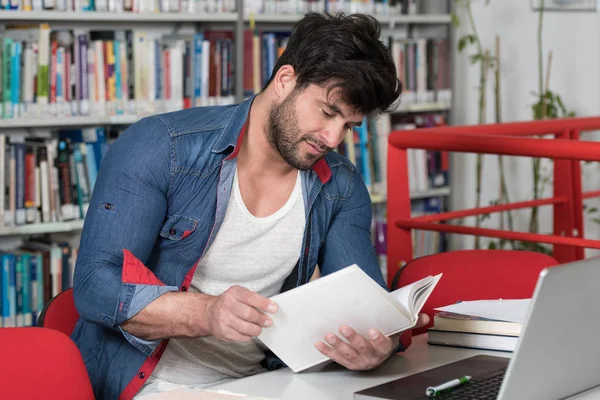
{"x":159,"y":200}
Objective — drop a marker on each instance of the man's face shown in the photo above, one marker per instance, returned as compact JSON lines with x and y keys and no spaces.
{"x":308,"y":124}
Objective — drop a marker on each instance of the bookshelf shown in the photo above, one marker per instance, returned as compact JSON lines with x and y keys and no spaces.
{"x":377,"y":198}
{"x":112,"y":17}
{"x":384,"y":19}
{"x":23,"y":123}
{"x":42,"y":228}
{"x":432,"y":16}
{"x":110,"y":119}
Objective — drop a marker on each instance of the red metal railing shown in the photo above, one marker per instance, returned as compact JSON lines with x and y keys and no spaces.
{"x":512,"y":139}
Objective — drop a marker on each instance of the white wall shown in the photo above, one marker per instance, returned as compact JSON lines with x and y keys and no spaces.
{"x":574,"y":39}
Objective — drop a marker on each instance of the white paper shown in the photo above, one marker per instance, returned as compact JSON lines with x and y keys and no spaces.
{"x":197,"y":394}
{"x":508,"y":310}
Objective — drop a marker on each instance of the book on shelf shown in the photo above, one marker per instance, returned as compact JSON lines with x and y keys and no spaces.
{"x":30,"y":276}
{"x":423,"y":66}
{"x":134,"y":6}
{"x":79,"y":72}
{"x":59,"y":72}
{"x":49,"y":177}
{"x":292,"y":7}
{"x":347,"y":297}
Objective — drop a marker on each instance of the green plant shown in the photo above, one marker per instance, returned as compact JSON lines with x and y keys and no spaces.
{"x":486,"y":62}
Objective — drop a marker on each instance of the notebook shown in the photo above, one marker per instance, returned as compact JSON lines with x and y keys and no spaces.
{"x":347,"y":297}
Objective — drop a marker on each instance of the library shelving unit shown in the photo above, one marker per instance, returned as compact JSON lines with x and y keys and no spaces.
{"x":429,"y":21}
{"x":71,"y":81}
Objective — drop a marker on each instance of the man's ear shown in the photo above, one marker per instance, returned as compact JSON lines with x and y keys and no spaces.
{"x":284,"y":81}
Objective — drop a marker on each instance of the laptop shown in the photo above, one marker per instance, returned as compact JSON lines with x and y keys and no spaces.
{"x":557,"y":355}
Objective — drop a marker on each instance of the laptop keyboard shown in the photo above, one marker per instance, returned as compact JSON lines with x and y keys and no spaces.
{"x":487,"y":389}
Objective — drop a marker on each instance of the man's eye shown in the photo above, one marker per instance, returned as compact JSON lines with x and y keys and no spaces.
{"x":325,"y":113}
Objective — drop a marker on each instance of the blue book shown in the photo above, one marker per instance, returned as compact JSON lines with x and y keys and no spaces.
{"x":9,"y":298}
{"x":26,"y":276}
{"x":16,"y":79}
{"x":4,"y":291}
{"x":365,"y":159}
{"x":118,"y":76}
{"x":33,"y":288}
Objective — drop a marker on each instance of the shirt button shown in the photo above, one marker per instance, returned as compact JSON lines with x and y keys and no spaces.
{"x":141,"y":375}
{"x":173,"y":231}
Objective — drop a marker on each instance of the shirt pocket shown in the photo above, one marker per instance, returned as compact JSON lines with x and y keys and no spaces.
{"x":177,"y":227}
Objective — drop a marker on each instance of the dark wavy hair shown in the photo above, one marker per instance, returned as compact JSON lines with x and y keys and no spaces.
{"x":343,"y":51}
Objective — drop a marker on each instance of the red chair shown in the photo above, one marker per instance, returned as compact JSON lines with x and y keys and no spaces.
{"x":474,"y":275}
{"x":60,"y":313}
{"x":40,"y":363}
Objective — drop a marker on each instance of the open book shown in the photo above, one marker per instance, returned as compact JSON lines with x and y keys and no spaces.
{"x":347,"y":297}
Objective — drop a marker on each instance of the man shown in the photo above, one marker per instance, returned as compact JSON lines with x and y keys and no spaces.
{"x":199,"y":216}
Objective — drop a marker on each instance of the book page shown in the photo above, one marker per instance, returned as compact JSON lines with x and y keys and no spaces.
{"x":499,"y":310}
{"x":422,"y":294}
{"x":308,"y":313}
{"x":413,"y":296}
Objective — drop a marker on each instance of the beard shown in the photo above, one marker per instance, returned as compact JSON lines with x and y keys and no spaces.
{"x":283,"y":133}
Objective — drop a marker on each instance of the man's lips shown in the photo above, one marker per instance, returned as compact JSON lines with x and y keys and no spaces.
{"x":316,"y":148}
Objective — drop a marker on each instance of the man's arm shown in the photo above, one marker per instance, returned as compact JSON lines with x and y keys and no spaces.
{"x":128,"y":207}
{"x":232,"y":316}
{"x":112,"y":285}
{"x":348,"y":239}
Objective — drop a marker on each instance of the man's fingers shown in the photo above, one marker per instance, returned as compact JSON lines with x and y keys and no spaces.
{"x":334,"y":355}
{"x":234,"y":336}
{"x":381,"y":343}
{"x":245,"y":328}
{"x":255,"y":300}
{"x":359,"y":343}
{"x":342,"y":348}
{"x":251,"y":314}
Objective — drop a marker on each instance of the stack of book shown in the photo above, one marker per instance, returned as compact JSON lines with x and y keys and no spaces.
{"x":484,"y":324}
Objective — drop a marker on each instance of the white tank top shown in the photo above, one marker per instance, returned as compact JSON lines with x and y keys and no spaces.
{"x":256,"y":253}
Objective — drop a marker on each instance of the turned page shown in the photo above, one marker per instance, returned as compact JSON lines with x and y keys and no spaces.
{"x":412,"y":297}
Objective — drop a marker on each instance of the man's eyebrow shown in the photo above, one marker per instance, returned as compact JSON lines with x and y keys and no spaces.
{"x":337,"y":110}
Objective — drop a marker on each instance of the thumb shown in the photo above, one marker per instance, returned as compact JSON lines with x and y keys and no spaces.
{"x":423,"y":320}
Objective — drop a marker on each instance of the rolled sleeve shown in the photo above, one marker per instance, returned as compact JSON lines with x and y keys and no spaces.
{"x":140,"y":297}
{"x":128,"y":207}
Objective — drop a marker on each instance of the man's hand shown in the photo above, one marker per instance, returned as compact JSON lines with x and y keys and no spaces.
{"x":235,"y":315}
{"x":361,"y":353}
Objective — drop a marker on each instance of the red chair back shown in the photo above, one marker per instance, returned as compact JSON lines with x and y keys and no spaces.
{"x":60,"y":313}
{"x":40,"y":363}
{"x":476,"y":275}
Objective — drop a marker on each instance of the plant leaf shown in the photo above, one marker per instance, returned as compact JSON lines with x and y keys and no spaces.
{"x":462,"y":42}
{"x":455,"y":19}
{"x":475,"y":58}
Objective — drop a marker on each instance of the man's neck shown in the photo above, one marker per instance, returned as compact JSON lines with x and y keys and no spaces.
{"x":256,"y":154}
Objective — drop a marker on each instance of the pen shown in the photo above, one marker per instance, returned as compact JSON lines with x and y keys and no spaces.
{"x":433,"y":391}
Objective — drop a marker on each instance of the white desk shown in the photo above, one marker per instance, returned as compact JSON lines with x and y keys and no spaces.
{"x":337,"y":383}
